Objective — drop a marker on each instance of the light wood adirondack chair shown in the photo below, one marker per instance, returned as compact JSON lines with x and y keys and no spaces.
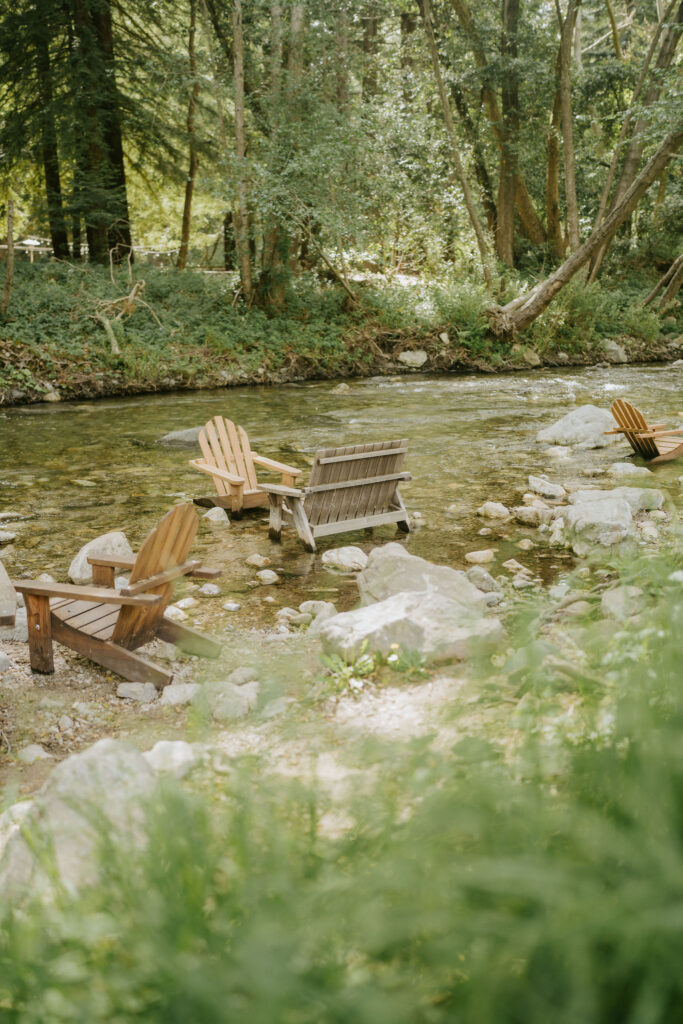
{"x":654,"y":442}
{"x":107,"y":625}
{"x":350,"y":488}
{"x":8,"y":599}
{"x":229,"y":460}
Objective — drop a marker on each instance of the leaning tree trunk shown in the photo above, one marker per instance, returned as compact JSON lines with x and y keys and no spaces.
{"x":567,"y":128}
{"x":194,"y":156}
{"x":518,"y":314}
{"x":455,"y":152}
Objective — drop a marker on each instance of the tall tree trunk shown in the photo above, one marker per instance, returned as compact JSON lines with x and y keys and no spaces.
{"x":531,"y":224}
{"x":567,"y":30}
{"x":455,"y":152}
{"x":369,"y":82}
{"x":242,"y":216}
{"x":194,"y":156}
{"x":478,"y":162}
{"x":408,"y":26}
{"x":9,"y":269}
{"x":49,"y":151}
{"x":341,"y":37}
{"x":615,"y":30}
{"x":518,"y":314}
{"x":552,"y":180}
{"x":505,"y":231}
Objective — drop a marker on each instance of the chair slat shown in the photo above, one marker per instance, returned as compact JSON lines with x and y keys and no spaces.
{"x":249,"y":469}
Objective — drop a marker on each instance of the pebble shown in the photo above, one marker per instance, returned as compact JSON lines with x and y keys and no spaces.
{"x":267,"y":577}
{"x":577,"y":609}
{"x":260,"y":561}
{"x":5,"y":663}
{"x":6,"y":537}
{"x":33,"y":752}
{"x":210,"y":590}
{"x":485,"y":531}
{"x":269,"y":599}
{"x":174,"y":613}
{"x":144,"y":692}
{"x":232,"y":606}
{"x":514,"y":566}
{"x":65,"y":723}
{"x":480,"y":557}
{"x":493,"y":510}
{"x":520,"y":582}
{"x":347,"y":559}
{"x":525,"y":544}
{"x":546,"y":488}
{"x":217,"y":517}
{"x":179,"y":694}
{"x":186,"y":602}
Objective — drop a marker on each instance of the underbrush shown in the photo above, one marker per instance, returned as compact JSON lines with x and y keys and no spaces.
{"x":460,"y":887}
{"x":187,"y":329}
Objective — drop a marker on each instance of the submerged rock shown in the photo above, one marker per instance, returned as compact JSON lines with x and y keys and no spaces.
{"x":347,"y":559}
{"x":584,"y":426}
{"x":182,"y":438}
{"x":493,"y":510}
{"x":546,"y":488}
{"x":638,"y":498}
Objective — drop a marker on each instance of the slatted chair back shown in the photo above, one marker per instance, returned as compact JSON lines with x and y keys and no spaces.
{"x":165,"y":548}
{"x":227,"y":446}
{"x":353,"y":481}
{"x":631,"y":420}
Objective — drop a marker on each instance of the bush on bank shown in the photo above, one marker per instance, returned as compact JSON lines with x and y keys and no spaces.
{"x":190,"y":333}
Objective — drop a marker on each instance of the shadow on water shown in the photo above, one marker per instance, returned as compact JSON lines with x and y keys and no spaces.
{"x":80,"y":469}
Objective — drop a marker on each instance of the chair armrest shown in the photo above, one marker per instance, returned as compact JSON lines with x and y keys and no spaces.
{"x":160,"y":578}
{"x":100,"y":595}
{"x":118,"y":562}
{"x":204,"y":467}
{"x":287,"y":492}
{"x":661,"y":433}
{"x":276,"y":467}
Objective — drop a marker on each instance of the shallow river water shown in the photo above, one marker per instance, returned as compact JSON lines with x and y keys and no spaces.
{"x":76,"y":470}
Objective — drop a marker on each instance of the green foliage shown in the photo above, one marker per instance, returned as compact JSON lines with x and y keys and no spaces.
{"x":464,"y":888}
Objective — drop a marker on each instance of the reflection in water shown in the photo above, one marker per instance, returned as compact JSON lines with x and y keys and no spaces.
{"x":78,"y":470}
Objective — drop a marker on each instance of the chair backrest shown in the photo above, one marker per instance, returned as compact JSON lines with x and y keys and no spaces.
{"x":627,"y":416}
{"x":337,"y":470}
{"x":227,"y":446}
{"x":164,"y":548}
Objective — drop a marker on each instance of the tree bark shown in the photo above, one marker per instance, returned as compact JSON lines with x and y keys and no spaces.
{"x":552,"y":180}
{"x":49,"y":150}
{"x":505,"y":229}
{"x":478,"y":162}
{"x":242,"y":216}
{"x":531,"y":224}
{"x":455,"y":152}
{"x":567,"y":30}
{"x":670,"y":282}
{"x":369,"y":82}
{"x":9,"y":269}
{"x":194,"y":156}
{"x":614,"y":28}
{"x":518,"y":314}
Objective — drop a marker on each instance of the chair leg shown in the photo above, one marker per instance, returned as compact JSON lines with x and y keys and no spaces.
{"x":402,"y":524}
{"x":39,"y":633}
{"x":275,"y":522}
{"x":120,"y":660}
{"x":303,"y":527}
{"x":189,"y":640}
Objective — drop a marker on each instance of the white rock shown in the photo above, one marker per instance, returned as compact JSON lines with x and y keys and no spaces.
{"x":676,"y":576}
{"x":546,"y":488}
{"x":520,"y":582}
{"x":514,"y":566}
{"x":556,"y":536}
{"x":174,"y":613}
{"x":109,"y":545}
{"x":437,"y":627}
{"x":530,"y":515}
{"x":31,"y":753}
{"x":493,"y":510}
{"x":341,"y":389}
{"x":392,"y":570}
{"x":480,"y":557}
{"x":10,"y":821}
{"x":558,"y":452}
{"x":525,"y":544}
{"x":348,"y":559}
{"x":65,"y":723}
{"x":217,"y":517}
{"x":144,"y":692}
{"x":5,"y":662}
{"x":584,"y":426}
{"x":259,"y":561}
{"x":52,"y":396}
{"x":232,"y":606}
{"x":186,"y":602}
{"x":607,"y":522}
{"x":613,"y":351}
{"x":182,"y":438}
{"x":413,"y":357}
{"x":267,"y":577}
{"x":648,"y":531}
{"x":18,"y":633}
{"x":179,"y":694}
{"x":482,"y":579}
{"x":6,"y":537}
{"x":228,"y":702}
{"x":621,"y":469}
{"x":209,"y":590}
{"x":621,"y":602}
{"x":638,"y":498}
{"x":172,"y":757}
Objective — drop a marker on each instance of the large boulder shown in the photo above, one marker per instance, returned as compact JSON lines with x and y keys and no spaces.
{"x":437,"y":627}
{"x":606,"y":522}
{"x":392,"y":570}
{"x":639,"y":498}
{"x":584,"y":426}
{"x":95,"y":793}
{"x":109,"y":545}
{"x":182,"y":438}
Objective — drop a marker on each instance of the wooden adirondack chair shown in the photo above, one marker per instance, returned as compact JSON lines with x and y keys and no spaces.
{"x":8,"y":599}
{"x":107,"y":625}
{"x":229,"y":460}
{"x":350,"y":488}
{"x":654,"y":442}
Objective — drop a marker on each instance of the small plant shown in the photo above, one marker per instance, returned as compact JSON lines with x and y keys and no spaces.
{"x":349,"y":674}
{"x":409,"y":662}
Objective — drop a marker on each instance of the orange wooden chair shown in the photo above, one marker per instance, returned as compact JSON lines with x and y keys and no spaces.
{"x":654,"y":442}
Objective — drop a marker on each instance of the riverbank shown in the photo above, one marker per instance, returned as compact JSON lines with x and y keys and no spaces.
{"x":66,"y":335}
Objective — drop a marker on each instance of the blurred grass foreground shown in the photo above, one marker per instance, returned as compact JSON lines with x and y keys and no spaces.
{"x":462,"y":889}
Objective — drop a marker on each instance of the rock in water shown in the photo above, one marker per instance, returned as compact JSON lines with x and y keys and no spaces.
{"x":584,"y":426}
{"x":392,"y":570}
{"x":348,"y":559}
{"x":109,"y":545}
{"x":546,"y":488}
{"x":639,"y":498}
{"x":605,"y":522}
{"x":182,"y":438}
{"x":493,"y":510}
